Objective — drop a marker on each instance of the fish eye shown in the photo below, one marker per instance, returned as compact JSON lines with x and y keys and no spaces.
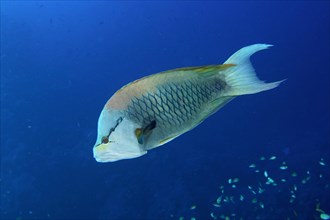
{"x":105,"y":140}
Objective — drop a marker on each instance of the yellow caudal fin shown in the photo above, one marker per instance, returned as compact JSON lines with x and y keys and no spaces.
{"x":242,"y":78}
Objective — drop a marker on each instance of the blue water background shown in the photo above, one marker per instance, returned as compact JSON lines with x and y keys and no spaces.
{"x":61,"y":61}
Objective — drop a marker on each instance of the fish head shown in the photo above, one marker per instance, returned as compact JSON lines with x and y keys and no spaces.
{"x":115,"y":138}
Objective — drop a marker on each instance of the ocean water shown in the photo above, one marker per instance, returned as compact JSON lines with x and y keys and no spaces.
{"x":262,"y":156}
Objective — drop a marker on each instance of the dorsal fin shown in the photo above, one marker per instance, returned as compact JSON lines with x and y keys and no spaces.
{"x":203,"y":70}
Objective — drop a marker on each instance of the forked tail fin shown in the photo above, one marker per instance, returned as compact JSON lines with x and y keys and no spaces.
{"x":242,"y":78}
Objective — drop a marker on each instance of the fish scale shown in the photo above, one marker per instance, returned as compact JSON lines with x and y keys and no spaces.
{"x":175,"y":103}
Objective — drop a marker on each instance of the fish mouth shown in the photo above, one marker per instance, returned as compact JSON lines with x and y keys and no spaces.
{"x":111,"y":152}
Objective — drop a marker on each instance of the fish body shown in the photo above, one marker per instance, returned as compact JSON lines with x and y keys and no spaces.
{"x":154,"y":110}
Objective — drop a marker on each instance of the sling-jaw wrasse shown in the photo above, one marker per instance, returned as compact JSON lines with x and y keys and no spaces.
{"x":154,"y":110}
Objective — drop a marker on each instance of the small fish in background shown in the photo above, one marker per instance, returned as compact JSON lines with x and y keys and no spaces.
{"x":156,"y":109}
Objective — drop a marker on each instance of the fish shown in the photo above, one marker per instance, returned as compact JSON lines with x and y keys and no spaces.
{"x":154,"y":110}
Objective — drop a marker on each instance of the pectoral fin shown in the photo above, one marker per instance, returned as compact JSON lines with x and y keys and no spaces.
{"x":139,"y":134}
{"x":142,"y":133}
